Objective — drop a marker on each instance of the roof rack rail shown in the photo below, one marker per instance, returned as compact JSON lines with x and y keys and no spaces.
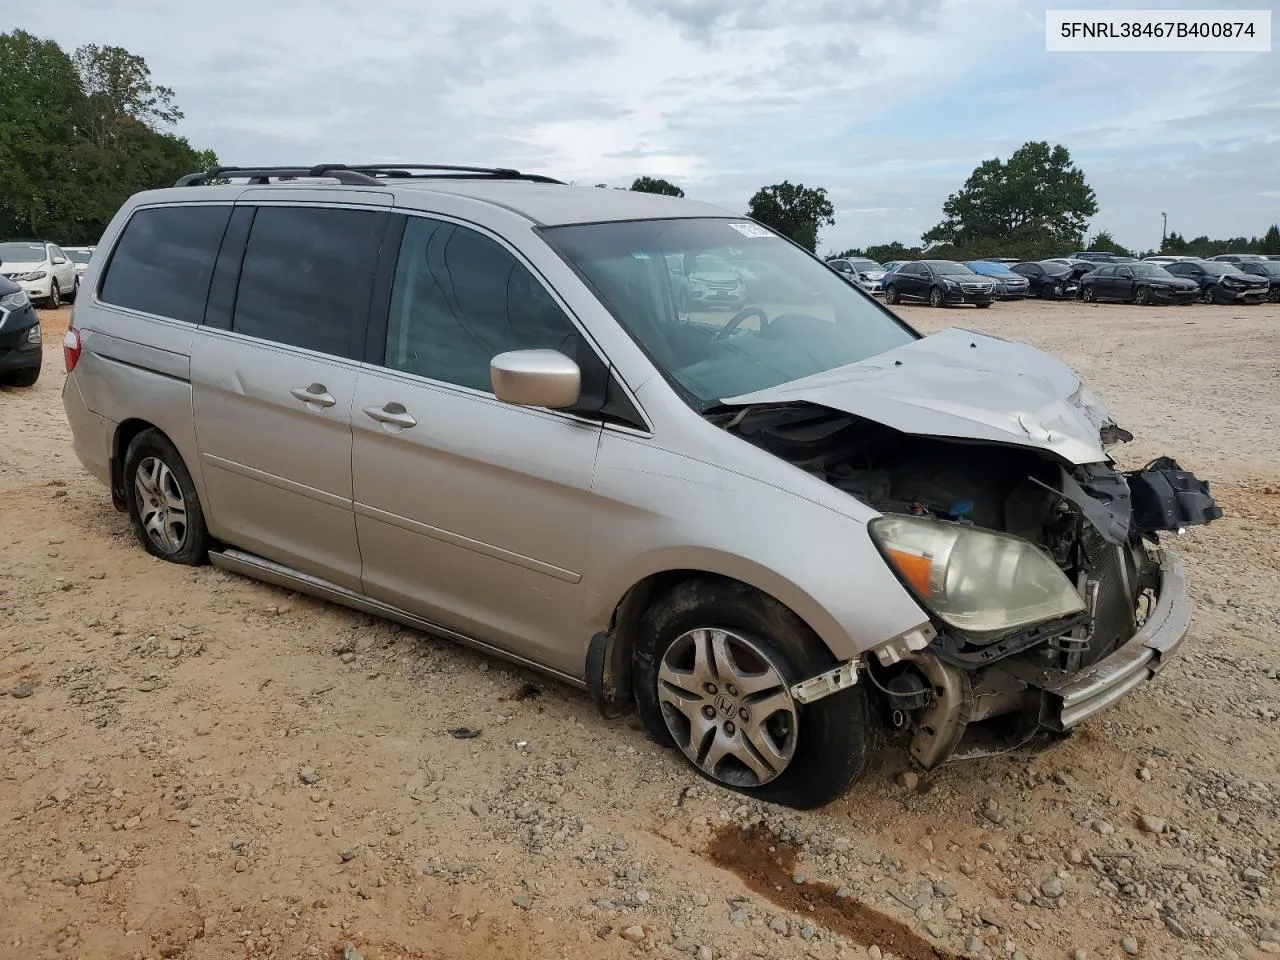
{"x":263,"y":175}
{"x":359,"y":175}
{"x":407,"y":170}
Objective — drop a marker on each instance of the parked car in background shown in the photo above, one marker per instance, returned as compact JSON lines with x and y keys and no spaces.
{"x":1165,"y":258}
{"x":706,"y":280}
{"x":1048,"y":279}
{"x":1235,"y":258}
{"x":43,"y":271}
{"x":939,"y":283}
{"x":1079,"y":268}
{"x":21,"y":348}
{"x":1009,"y":285}
{"x":768,"y":532}
{"x":866,"y":273}
{"x":1222,"y":282}
{"x":1006,"y":261}
{"x":80,"y":256}
{"x":1265,"y":268}
{"x":1140,"y":283}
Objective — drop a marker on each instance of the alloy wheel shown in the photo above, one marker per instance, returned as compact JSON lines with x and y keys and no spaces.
{"x":55,"y":295}
{"x":935,"y":297}
{"x":728,"y":707}
{"x":161,"y":505}
{"x":1087,"y":296}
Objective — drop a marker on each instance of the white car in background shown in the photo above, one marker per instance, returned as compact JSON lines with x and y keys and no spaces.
{"x":42,"y":269}
{"x":80,"y":256}
{"x":860,"y":270}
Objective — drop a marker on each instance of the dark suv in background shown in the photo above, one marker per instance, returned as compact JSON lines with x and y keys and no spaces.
{"x":21,"y":350}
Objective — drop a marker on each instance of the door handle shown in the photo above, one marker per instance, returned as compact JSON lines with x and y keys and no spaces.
{"x":392,"y":413}
{"x":316,"y":393}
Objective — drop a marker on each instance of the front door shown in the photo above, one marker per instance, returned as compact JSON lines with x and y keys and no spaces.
{"x":273,"y":394}
{"x":472,"y":513}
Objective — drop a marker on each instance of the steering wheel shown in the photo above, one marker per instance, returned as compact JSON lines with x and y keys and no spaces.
{"x":736,"y":321}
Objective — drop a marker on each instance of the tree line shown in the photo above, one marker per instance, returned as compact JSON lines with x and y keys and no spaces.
{"x":79,"y":133}
{"x":82,"y":131}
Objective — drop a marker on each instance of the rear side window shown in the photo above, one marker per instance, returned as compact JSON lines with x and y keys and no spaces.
{"x":307,"y":275}
{"x":164,"y":260}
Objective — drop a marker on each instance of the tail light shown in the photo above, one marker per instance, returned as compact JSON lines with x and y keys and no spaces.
{"x":71,"y":348}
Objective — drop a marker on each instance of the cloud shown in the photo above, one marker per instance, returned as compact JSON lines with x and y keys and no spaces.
{"x":888,"y":105}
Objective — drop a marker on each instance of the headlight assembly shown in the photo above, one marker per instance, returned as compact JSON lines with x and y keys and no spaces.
{"x":982,"y":583}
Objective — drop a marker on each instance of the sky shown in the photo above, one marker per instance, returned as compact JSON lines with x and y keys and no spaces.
{"x":888,"y":104}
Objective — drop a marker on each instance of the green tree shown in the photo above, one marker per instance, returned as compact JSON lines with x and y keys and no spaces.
{"x":1103,"y":243}
{"x":1271,"y":242}
{"x":79,"y":135}
{"x":1038,"y":201}
{"x":1174,"y":244}
{"x":884,"y":252}
{"x":794,"y":210}
{"x":656,"y":185}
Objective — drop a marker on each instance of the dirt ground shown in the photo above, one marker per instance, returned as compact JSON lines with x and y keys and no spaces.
{"x":196,"y":765}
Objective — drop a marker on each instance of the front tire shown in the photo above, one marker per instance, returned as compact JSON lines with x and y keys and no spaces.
{"x":167,"y":517}
{"x":1088,"y":296}
{"x":714,"y":663}
{"x":55,"y":296}
{"x":891,"y":296}
{"x":936,"y":298}
{"x":1142,"y":297}
{"x":1209,"y":294}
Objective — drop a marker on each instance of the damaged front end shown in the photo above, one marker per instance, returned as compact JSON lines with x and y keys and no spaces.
{"x":1049,"y":593}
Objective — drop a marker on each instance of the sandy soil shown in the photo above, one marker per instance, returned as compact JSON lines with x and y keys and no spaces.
{"x":196,"y":765}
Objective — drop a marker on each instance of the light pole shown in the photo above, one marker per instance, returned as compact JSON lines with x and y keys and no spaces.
{"x":1164,"y":229}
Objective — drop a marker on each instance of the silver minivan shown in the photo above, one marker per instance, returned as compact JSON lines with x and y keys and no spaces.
{"x":474,"y":402}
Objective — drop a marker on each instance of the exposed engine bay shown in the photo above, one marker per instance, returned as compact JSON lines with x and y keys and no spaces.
{"x":967,"y":695}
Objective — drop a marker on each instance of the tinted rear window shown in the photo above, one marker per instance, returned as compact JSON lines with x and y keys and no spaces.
{"x":307,"y":276}
{"x":164,"y":260}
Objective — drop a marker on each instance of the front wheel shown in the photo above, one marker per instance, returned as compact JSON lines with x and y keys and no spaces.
{"x":891,"y":295}
{"x":23,"y":378}
{"x":714,"y":664}
{"x":55,"y":295}
{"x":1142,"y":296}
{"x":935,"y":298}
{"x":167,"y":517}
{"x":1209,"y":295}
{"x":1088,"y":296}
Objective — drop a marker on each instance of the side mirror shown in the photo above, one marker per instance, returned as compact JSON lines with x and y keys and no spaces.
{"x":536,"y":378}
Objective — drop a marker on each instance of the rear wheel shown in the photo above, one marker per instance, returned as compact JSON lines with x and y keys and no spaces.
{"x":1142,"y":296}
{"x":714,"y":664}
{"x":167,"y":517}
{"x":935,"y":297}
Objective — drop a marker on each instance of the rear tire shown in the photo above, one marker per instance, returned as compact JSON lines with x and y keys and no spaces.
{"x":810,"y":753}
{"x":167,"y":517}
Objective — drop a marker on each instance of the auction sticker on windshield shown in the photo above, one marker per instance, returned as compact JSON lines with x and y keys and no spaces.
{"x":751,"y":230}
{"x":1124,"y":31}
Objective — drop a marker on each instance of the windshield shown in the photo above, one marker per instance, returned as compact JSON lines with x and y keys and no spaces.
{"x":945,"y":267}
{"x":791,"y":320}
{"x":79,"y":256}
{"x":1271,"y":268}
{"x":988,"y":269}
{"x":22,"y":252}
{"x":862,"y":266}
{"x":1151,"y":270}
{"x":1219,"y":267}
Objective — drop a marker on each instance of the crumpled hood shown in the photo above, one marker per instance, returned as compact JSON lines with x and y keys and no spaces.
{"x":962,"y":385}
{"x":872,"y":274}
